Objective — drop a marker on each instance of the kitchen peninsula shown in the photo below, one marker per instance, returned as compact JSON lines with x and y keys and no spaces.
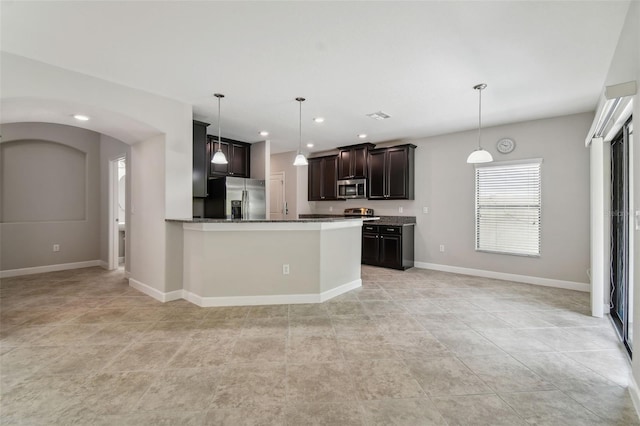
{"x":261,"y":262}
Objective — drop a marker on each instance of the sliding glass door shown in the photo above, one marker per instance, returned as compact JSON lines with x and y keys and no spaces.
{"x":619,"y":272}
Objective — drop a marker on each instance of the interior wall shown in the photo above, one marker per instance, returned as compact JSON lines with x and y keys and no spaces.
{"x":110,"y":149}
{"x":445,"y":186}
{"x":283,"y":162}
{"x":50,"y":194}
{"x":146,"y":212}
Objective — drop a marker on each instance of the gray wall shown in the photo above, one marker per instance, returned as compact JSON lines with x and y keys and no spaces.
{"x":50,"y":195}
{"x":445,"y":185}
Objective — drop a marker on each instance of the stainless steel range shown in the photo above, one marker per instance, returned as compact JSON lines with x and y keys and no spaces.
{"x":358,"y":212}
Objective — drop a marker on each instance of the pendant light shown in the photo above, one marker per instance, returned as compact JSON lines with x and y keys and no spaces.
{"x":218,"y":157}
{"x":479,"y":155}
{"x":300,"y":158}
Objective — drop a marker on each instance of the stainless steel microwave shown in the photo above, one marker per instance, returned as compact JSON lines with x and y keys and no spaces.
{"x":352,"y":188}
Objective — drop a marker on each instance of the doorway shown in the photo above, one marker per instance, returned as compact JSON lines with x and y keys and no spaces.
{"x":278,"y":203}
{"x":621,"y":286}
{"x":117,"y":211}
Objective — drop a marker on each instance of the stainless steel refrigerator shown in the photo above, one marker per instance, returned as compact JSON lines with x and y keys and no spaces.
{"x":235,"y":198}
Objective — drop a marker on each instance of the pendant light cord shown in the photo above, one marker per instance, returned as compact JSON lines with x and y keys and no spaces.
{"x":479,"y":116}
{"x":219,"y":133}
{"x":300,"y":129}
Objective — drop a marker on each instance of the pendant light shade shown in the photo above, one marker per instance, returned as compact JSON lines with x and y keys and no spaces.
{"x":219,"y":157}
{"x":479,"y":155}
{"x":300,"y":159}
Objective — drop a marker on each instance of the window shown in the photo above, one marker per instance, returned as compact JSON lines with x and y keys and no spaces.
{"x":508,"y":207}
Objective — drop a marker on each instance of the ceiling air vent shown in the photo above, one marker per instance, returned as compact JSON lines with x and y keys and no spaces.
{"x":378,"y":115}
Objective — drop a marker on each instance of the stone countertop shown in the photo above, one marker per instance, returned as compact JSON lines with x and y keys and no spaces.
{"x":381,"y":220}
{"x":301,"y":220}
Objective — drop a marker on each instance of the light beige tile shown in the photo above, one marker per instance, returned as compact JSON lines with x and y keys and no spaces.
{"x":562,"y":371}
{"x":613,"y":404}
{"x":502,"y":373}
{"x":149,"y":356}
{"x":181,"y":390}
{"x":269,"y":311}
{"x":384,"y":378}
{"x":477,"y":410}
{"x":258,"y":349}
{"x":228,"y":312}
{"x":84,"y":359}
{"x":317,"y":326}
{"x":114,"y":393}
{"x":159,"y":418}
{"x":325,"y":414}
{"x":203,"y":353}
{"x":258,"y":415}
{"x":275,"y":327}
{"x":466,"y":342}
{"x":324,"y":382}
{"x":308,"y":310}
{"x":309,"y":349}
{"x":416,"y":345}
{"x":402,"y":412}
{"x":550,"y":407}
{"x":365,"y":347}
{"x":251,"y":385}
{"x":440,"y":376}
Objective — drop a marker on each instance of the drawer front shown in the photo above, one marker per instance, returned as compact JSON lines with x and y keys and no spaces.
{"x":370,"y":228}
{"x":395,"y":230}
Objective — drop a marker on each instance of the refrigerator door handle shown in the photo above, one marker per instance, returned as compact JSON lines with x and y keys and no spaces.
{"x":245,"y":204}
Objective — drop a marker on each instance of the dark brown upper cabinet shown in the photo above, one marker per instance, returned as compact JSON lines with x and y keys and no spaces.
{"x":352,"y":161}
{"x":200,"y":159}
{"x":323,"y":178}
{"x":391,"y":173}
{"x":238,"y":156}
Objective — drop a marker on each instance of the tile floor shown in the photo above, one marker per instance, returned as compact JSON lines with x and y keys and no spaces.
{"x":408,"y":348}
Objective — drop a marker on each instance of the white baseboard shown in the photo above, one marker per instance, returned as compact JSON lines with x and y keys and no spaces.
{"x":337,"y":291}
{"x":547,"y":282}
{"x":278,"y":299}
{"x":49,"y":268}
{"x":104,"y":265}
{"x":156,"y":294}
{"x":634,"y":392}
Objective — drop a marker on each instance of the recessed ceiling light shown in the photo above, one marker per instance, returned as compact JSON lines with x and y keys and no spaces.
{"x":319,"y":119}
{"x":264,"y":133}
{"x":309,"y":145}
{"x":81,"y":117}
{"x":378,"y":115}
{"x":362,"y":135}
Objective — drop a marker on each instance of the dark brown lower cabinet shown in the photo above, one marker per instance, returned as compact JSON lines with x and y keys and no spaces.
{"x":390,"y":246}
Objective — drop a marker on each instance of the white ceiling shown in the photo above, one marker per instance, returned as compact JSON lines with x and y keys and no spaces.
{"x":416,"y":61}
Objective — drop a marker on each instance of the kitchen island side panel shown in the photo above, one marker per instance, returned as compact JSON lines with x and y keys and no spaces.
{"x":340,"y":251}
{"x":245,"y":264}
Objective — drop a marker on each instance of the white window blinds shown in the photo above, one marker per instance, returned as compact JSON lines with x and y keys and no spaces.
{"x":508,"y":199}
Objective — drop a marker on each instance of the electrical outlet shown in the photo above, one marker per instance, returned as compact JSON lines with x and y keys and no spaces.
{"x":441,"y":248}
{"x":425,"y":210}
{"x":330,"y":208}
{"x":285,"y":269}
{"x":56,"y":247}
{"x":400,"y":210}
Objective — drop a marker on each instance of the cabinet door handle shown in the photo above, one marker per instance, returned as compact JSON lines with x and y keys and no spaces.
{"x":381,"y":237}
